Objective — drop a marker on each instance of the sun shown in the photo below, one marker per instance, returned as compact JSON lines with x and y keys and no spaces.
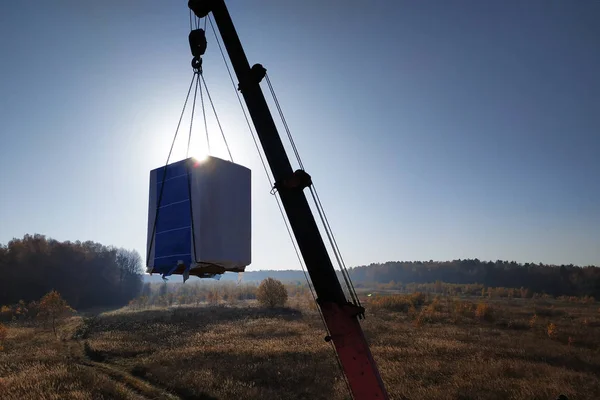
{"x":199,"y":155}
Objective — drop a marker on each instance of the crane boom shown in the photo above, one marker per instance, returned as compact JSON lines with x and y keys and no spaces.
{"x":341,"y":316}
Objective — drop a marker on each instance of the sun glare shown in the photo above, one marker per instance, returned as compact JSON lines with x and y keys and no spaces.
{"x":199,"y":156}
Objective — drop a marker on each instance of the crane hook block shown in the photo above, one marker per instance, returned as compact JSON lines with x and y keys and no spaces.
{"x":197,"y":64}
{"x":201,"y":8}
{"x":197,"y":39}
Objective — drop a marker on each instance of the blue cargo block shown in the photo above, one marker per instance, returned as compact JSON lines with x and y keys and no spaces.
{"x":201,"y":223}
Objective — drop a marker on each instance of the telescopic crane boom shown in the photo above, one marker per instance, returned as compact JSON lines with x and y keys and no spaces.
{"x":341,"y":316}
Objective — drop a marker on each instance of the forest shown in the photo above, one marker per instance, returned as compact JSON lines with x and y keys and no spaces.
{"x":563,"y":280}
{"x":87,"y":274}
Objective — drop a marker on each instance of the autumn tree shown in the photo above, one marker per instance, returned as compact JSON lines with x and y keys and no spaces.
{"x":86,"y":274}
{"x":53,"y":308}
{"x":271,"y":293}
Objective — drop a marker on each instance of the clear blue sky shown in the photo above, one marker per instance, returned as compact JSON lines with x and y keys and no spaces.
{"x":432,"y":129}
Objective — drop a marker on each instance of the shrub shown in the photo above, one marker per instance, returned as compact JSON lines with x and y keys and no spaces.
{"x":552,"y":331}
{"x":33,"y":309}
{"x":138,"y":302}
{"x":271,"y":293}
{"x":533,"y":321}
{"x":588,"y":300}
{"x":170,"y":298}
{"x":3,"y":334}
{"x":307,"y":300}
{"x":412,"y":311}
{"x":420,"y":319}
{"x":417,"y":298}
{"x":483,"y":311}
{"x":6,"y":313}
{"x":463,"y":308}
{"x":20,"y":310}
{"x":398,"y":302}
{"x":213,"y":297}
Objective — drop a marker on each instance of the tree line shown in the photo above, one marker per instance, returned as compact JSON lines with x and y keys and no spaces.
{"x":87,"y":274}
{"x":563,"y":280}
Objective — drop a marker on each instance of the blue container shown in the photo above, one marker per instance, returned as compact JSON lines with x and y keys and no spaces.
{"x":201,"y":222}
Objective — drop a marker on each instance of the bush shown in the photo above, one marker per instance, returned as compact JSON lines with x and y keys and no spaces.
{"x":552,"y":331}
{"x":33,"y":309}
{"x":483,"y":311}
{"x":271,"y":293}
{"x":435,"y":304}
{"x":463,"y":308}
{"x":6,"y":313}
{"x":3,"y":334}
{"x":20,"y":310}
{"x":398,"y":302}
{"x":533,"y":321}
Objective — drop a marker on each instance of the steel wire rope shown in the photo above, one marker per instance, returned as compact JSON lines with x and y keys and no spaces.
{"x":287,"y":129}
{"x":318,"y":204}
{"x":187,"y":151}
{"x":205,"y":122}
{"x":341,"y":259}
{"x":164,"y":175}
{"x":332,"y":242}
{"x":263,"y":163}
{"x":279,"y":205}
{"x":189,"y":183}
{"x":216,"y":116}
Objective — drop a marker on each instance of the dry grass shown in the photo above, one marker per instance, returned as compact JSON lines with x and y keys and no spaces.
{"x":398,"y":302}
{"x":36,"y":365}
{"x":488,"y":351}
{"x":426,"y":348}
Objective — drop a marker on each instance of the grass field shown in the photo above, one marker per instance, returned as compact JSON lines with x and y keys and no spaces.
{"x":426,"y":348}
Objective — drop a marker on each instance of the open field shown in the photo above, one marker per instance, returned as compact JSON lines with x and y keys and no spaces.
{"x":426,"y":348}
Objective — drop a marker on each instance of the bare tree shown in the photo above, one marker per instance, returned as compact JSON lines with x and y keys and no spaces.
{"x":129,"y":263}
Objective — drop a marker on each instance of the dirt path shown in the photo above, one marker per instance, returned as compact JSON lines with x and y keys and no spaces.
{"x":80,"y":353}
{"x":140,"y":386}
